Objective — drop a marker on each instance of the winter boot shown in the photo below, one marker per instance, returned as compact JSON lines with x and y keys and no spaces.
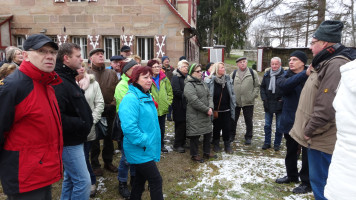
{"x":228,"y":148}
{"x":124,"y":190}
{"x":216,"y":147}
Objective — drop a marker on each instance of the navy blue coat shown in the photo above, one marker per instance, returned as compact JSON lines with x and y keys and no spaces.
{"x":291,"y":85}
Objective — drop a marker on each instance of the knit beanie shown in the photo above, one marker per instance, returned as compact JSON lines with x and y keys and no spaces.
{"x":300,"y":55}
{"x":164,"y":58}
{"x":182,"y":58}
{"x":128,"y":65}
{"x":208,"y":66}
{"x":192,"y":68}
{"x":329,"y":31}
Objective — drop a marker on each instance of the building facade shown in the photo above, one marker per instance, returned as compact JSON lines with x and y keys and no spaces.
{"x":151,"y":28}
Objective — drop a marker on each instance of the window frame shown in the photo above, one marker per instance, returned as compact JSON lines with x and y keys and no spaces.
{"x":22,"y":40}
{"x":145,"y":57}
{"x":83,"y":43}
{"x":115,"y":46}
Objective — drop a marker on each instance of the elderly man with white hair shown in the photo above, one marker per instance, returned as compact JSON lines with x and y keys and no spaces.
{"x":178,"y":105}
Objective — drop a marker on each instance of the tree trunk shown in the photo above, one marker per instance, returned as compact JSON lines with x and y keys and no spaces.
{"x":321,"y":11}
{"x":353,"y":23}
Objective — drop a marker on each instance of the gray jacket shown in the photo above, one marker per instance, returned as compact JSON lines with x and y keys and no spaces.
{"x":199,"y":101}
{"x":210,"y":83}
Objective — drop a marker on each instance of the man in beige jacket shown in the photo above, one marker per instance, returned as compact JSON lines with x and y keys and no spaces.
{"x":314,"y":125}
{"x":246,"y":86}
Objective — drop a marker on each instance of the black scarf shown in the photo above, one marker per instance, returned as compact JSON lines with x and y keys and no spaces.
{"x":327,"y":54}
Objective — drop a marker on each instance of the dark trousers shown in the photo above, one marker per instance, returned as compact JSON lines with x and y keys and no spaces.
{"x":194,"y":144}
{"x":179,"y":134}
{"x":147,"y":171}
{"x":248,"y":115}
{"x":291,"y":160}
{"x":87,"y":147}
{"x":162,"y":126}
{"x":107,"y":154}
{"x":222,"y":123}
{"x":39,"y":194}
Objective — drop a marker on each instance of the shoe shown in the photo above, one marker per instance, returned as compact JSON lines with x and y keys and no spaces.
{"x":124,"y":190}
{"x":277,"y":148}
{"x":266,"y":146}
{"x":197,"y":158}
{"x":228,"y":148}
{"x":98,"y":172}
{"x":179,"y":150}
{"x":232,"y":139}
{"x":286,"y":179}
{"x":164,"y":150}
{"x":92,"y":190}
{"x":216,"y":147}
{"x":110,"y":167}
{"x":209,"y":155}
{"x":248,"y":142}
{"x":302,"y":189}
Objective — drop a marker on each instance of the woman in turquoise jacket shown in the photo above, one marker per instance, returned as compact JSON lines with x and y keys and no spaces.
{"x":162,"y":93}
{"x":142,"y":138}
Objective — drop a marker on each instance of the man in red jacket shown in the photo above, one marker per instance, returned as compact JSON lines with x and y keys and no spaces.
{"x":30,"y":124}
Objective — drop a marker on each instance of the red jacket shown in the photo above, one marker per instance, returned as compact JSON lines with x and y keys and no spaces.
{"x":30,"y":130}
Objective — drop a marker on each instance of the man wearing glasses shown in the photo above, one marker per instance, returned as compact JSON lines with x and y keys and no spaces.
{"x":246,"y":87}
{"x":314,"y":125}
{"x":30,"y":131}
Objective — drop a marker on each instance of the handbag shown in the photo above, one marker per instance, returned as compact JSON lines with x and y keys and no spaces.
{"x":117,"y":133}
{"x":216,"y":112}
{"x":101,"y":128}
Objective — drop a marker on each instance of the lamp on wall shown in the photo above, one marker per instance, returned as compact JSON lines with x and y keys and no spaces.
{"x":43,"y":31}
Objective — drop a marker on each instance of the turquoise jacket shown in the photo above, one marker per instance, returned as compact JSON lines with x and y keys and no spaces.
{"x":121,"y":90}
{"x":139,"y":123}
{"x":163,"y":96}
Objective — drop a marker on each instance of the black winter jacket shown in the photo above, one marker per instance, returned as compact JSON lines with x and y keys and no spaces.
{"x":272,"y":103}
{"x":76,"y":114}
{"x":179,"y":104}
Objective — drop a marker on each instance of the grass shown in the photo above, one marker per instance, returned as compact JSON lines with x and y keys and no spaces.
{"x":179,"y":173}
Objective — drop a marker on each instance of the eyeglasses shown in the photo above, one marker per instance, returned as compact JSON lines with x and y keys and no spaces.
{"x":313,"y":42}
{"x":199,"y":71}
{"x":44,"y":52}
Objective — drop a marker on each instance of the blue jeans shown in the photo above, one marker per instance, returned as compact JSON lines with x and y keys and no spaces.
{"x":87,"y":146}
{"x":124,"y":167}
{"x":319,"y":163}
{"x":76,"y":182}
{"x":268,"y":129}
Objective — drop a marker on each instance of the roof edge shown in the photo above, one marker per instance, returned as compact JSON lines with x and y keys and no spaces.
{"x":175,"y":11}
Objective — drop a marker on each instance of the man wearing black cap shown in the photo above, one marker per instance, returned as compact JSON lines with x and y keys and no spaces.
{"x":115,"y":65}
{"x":246,"y":87}
{"x":291,"y":84}
{"x":30,"y":131}
{"x":125,"y":51}
{"x":314,"y":125}
{"x":107,"y":80}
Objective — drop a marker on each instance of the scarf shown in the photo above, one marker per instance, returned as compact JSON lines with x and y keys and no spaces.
{"x":220,"y":80}
{"x":83,"y":82}
{"x":272,"y":82}
{"x":241,"y":73}
{"x":326,"y":54}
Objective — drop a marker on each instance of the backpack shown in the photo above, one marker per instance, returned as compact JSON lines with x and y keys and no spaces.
{"x":234,"y":74}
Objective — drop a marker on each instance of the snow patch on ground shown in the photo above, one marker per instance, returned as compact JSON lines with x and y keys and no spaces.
{"x":235,"y":171}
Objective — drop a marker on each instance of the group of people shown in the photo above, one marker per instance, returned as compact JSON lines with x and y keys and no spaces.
{"x":64,"y":105}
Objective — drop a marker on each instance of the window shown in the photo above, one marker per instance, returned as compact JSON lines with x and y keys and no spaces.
{"x":19,"y":41}
{"x":54,"y":38}
{"x":82,"y":42}
{"x":112,"y":46}
{"x":77,"y":0}
{"x":145,"y":48}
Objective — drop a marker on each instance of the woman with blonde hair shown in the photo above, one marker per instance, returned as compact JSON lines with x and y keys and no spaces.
{"x":14,"y":56}
{"x":221,"y":90}
{"x":6,"y":69}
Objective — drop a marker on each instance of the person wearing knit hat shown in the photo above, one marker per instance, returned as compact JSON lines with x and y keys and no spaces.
{"x":208,"y":70}
{"x":314,"y":126}
{"x":125,"y":51}
{"x":291,"y":85}
{"x":199,"y":113}
{"x":120,"y":91}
